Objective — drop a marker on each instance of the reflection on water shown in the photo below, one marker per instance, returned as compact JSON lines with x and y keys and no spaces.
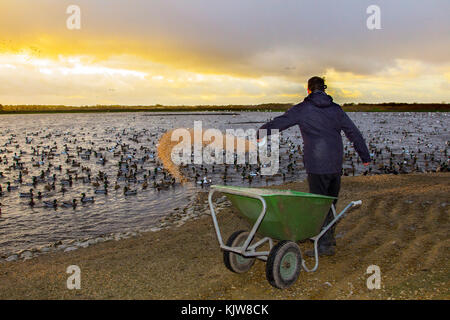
{"x":65,"y":155}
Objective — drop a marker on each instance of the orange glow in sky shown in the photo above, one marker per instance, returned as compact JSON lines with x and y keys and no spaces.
{"x":134,"y":53}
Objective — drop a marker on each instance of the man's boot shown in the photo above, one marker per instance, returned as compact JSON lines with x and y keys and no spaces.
{"x":322,"y":251}
{"x":327,"y":243}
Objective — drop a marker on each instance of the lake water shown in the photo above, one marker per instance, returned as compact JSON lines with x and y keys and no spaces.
{"x":47,"y":145}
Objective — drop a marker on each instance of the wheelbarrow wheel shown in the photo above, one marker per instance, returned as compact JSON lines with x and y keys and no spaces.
{"x":233,"y":261}
{"x":284,"y":264}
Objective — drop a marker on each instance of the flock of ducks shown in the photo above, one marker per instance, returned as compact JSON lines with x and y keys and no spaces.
{"x":48,"y":172}
{"x":82,"y":163}
{"x":386,"y":159}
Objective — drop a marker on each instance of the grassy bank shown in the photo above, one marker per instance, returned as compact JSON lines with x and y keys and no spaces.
{"x":274,"y":107}
{"x":402,"y":227}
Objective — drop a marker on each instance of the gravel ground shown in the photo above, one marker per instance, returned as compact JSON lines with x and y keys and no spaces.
{"x":402,"y":227}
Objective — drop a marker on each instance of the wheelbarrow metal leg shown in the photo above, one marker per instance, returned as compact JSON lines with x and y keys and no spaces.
{"x":213,"y":215}
{"x":245,"y":250}
{"x":257,"y":223}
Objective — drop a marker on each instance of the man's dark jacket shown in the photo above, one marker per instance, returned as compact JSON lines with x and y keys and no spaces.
{"x":321,"y":121}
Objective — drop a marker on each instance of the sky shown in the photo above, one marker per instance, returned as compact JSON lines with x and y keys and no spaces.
{"x":191,"y":52}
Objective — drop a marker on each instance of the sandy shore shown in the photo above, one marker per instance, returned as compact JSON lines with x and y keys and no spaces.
{"x":402,"y":227}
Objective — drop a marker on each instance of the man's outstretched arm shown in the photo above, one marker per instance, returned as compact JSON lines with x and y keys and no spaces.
{"x":355,"y":136}
{"x":283,"y":122}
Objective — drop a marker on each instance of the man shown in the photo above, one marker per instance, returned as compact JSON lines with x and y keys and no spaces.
{"x":320,"y":121}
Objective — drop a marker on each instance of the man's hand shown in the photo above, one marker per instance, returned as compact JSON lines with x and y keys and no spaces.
{"x":366,"y":164}
{"x":261,"y":141}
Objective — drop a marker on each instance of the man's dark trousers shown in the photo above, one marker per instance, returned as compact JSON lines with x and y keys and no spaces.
{"x":328,"y":185}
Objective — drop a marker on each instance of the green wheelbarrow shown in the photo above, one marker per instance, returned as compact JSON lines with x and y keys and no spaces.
{"x":283,"y":215}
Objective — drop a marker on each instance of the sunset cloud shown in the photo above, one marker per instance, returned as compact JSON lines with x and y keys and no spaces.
{"x":221,"y":52}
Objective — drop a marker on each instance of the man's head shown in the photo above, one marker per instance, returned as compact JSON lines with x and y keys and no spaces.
{"x":316,"y":84}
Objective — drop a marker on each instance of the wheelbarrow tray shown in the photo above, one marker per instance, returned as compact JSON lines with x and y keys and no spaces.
{"x":290,"y":215}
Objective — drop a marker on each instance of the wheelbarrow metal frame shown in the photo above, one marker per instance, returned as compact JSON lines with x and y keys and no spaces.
{"x":250,"y":251}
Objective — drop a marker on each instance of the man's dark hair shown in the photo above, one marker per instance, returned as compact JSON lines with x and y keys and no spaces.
{"x":316,"y":83}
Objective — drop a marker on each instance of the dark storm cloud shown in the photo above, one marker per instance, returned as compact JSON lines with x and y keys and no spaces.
{"x":293,"y":36}
{"x":260,"y":37}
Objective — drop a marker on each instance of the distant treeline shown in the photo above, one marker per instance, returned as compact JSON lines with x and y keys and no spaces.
{"x":364,"y":107}
{"x":397,"y":107}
